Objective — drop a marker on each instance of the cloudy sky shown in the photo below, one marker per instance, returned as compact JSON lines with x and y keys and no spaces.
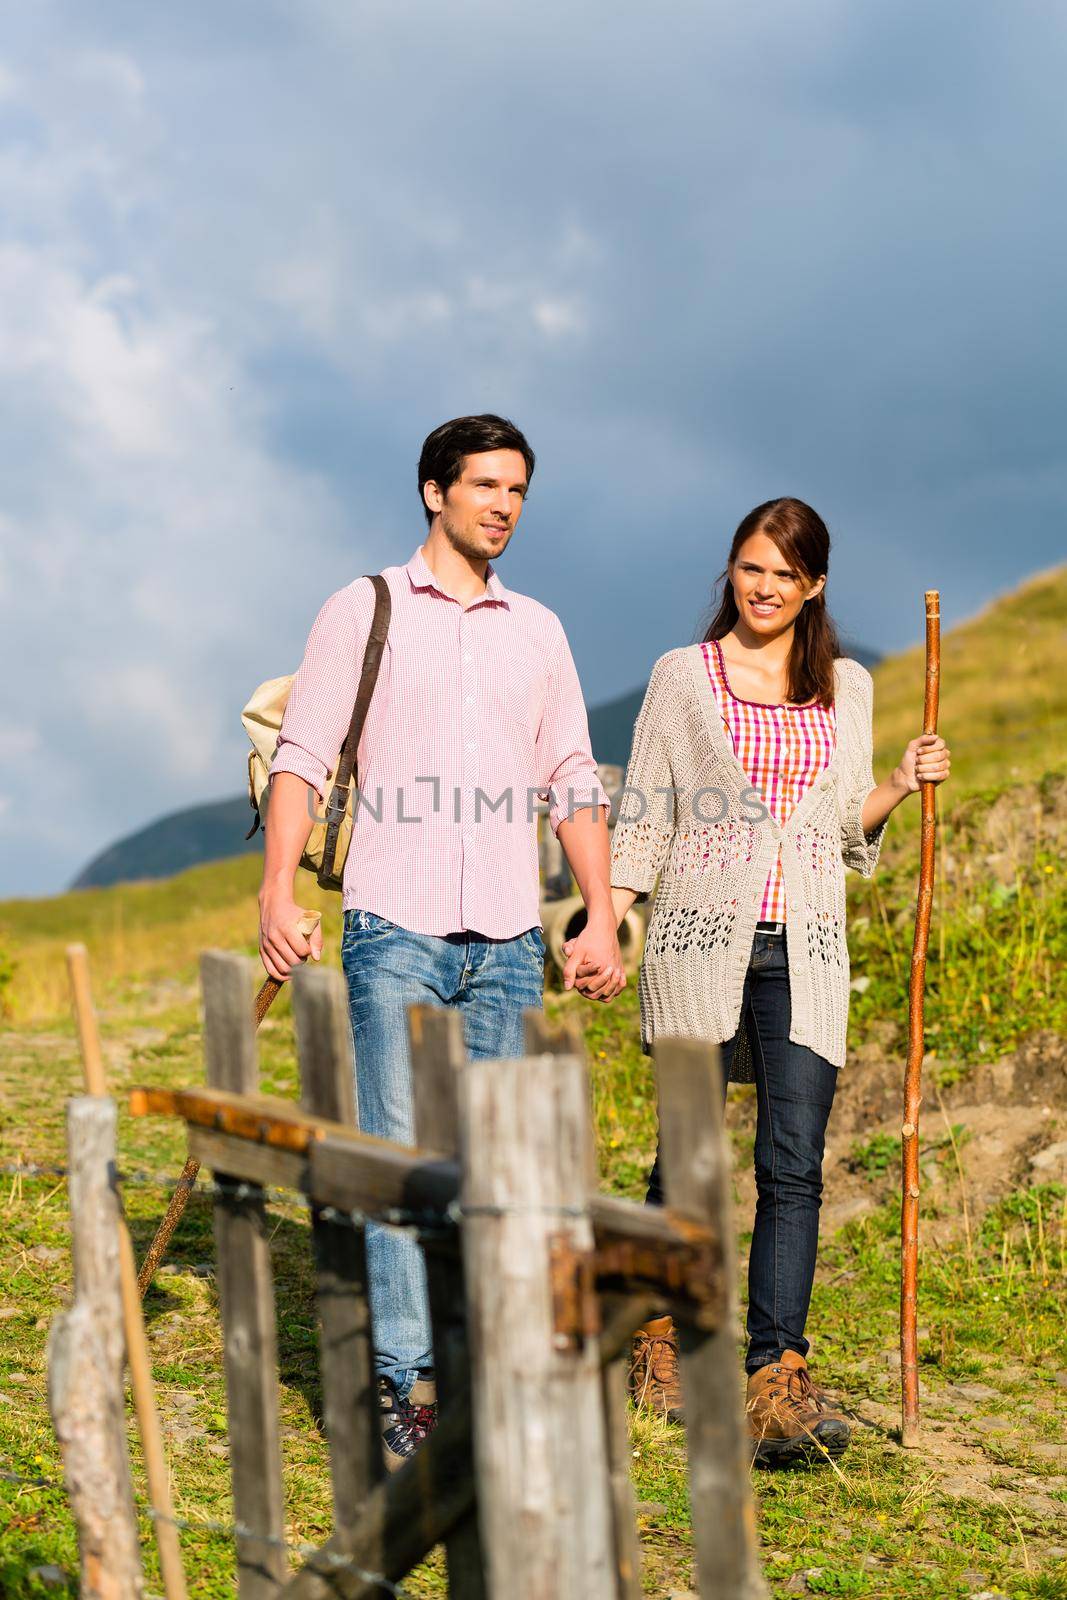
{"x":252,"y":251}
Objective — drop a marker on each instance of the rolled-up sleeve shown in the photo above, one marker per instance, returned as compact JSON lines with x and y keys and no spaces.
{"x":566,"y":770}
{"x":323,"y":692}
{"x":860,"y":850}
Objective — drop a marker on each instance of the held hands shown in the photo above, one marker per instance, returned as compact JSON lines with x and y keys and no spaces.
{"x":926,"y":760}
{"x":282,"y":946}
{"x":594,"y":962}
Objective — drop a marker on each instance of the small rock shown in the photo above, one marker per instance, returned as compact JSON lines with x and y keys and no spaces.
{"x":972,"y":1577}
{"x":1041,"y":1504}
{"x":973,"y":1391}
{"x":1053,"y":1155}
{"x":6,"y":1400}
{"x":46,"y":1252}
{"x":992,"y":1424}
{"x":52,"y":1577}
{"x":961,"y":1487}
{"x":7,"y":1312}
{"x":1061,"y":1377}
{"x":891,"y":1358}
{"x":218,"y":1449}
{"x":1050,"y":1451}
{"x":42,"y":1323}
{"x":167,"y":1270}
{"x":17,"y":1377}
{"x":650,"y":1508}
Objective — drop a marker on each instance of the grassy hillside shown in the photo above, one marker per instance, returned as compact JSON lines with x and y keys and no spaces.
{"x":1003,"y":690}
{"x":978,"y":1510}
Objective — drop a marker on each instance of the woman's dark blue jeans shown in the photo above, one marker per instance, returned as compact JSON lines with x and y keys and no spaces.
{"x":795,"y":1091}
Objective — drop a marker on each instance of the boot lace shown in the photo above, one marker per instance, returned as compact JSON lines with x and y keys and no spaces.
{"x":796,"y":1390}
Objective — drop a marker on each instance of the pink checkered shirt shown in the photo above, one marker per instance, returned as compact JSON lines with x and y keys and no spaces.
{"x":472,"y":704}
{"x":781,"y":748}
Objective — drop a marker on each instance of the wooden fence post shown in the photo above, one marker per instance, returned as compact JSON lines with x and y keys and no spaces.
{"x":540,"y":1450}
{"x":696,"y":1167}
{"x":614,"y":1378}
{"x":246,"y":1296}
{"x":437,"y":1055}
{"x":346,"y":1354}
{"x":85,"y":1365}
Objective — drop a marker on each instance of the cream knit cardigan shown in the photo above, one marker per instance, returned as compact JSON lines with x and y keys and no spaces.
{"x":712,"y":872}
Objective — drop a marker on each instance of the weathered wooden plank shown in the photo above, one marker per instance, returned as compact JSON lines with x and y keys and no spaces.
{"x":614,"y":1387}
{"x":437,"y":1056}
{"x":540,"y":1447}
{"x":696,"y":1167}
{"x":253,"y":1163}
{"x":85,"y":1365}
{"x":566,"y":1039}
{"x":401,"y":1520}
{"x":346,"y":1354}
{"x":358,"y":1172}
{"x":246,"y":1298}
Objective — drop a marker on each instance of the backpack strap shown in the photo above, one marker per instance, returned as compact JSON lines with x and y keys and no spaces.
{"x":346,"y":767}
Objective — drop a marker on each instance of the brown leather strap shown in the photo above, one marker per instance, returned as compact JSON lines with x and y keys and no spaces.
{"x":346,"y":767}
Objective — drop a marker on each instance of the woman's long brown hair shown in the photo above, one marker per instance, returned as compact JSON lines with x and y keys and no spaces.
{"x":802,"y":537}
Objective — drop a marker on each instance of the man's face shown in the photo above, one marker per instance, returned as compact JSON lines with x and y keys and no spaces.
{"x":479,"y":511}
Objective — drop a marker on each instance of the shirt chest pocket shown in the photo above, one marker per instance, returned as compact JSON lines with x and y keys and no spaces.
{"x":517,"y":693}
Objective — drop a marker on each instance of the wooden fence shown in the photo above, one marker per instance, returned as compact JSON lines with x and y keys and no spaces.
{"x":536,"y":1282}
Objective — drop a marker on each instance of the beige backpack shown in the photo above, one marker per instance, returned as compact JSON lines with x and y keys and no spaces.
{"x":331,"y":832}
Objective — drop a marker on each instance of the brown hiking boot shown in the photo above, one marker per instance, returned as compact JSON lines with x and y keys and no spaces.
{"x":654,"y":1378}
{"x":789,"y":1419}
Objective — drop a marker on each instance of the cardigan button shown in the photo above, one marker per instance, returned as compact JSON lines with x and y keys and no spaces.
{"x":796,"y":969}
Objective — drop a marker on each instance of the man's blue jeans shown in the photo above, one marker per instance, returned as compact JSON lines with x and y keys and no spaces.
{"x":794,"y":1094}
{"x":490,"y":982}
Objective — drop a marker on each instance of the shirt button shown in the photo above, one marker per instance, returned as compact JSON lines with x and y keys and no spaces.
{"x":796,"y":970}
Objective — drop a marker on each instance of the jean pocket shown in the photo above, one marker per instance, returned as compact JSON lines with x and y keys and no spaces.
{"x":363,"y":926}
{"x":533,"y":945}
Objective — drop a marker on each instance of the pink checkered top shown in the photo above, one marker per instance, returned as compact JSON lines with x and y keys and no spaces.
{"x":782,"y":749}
{"x":477,"y":711}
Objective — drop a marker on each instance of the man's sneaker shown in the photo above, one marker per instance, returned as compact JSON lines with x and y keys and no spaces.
{"x":789,"y":1419}
{"x":406,"y":1422}
{"x":655,"y":1383}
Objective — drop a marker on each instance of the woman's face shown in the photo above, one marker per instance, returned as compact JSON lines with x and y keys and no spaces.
{"x":769,"y":592}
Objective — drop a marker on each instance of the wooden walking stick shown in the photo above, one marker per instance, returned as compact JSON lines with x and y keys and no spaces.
{"x":144,"y":1400}
{"x":268,"y":992}
{"x":909,"y":1184}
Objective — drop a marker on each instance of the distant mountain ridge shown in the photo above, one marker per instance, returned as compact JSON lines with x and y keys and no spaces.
{"x":216,"y":830}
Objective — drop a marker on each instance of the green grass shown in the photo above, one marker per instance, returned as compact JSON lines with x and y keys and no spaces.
{"x":881,"y":1527}
{"x":981,"y":1507}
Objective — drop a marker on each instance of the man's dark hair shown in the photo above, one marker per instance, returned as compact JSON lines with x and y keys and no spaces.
{"x":448,"y":446}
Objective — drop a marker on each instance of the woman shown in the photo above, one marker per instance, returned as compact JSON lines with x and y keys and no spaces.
{"x":761,"y":735}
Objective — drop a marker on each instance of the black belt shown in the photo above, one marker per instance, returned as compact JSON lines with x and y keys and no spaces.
{"x":775,"y":929}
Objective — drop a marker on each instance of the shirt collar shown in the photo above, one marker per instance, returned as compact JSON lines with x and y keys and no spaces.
{"x":422,"y":578}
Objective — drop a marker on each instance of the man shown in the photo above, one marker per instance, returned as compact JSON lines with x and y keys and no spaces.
{"x":477,"y":710}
